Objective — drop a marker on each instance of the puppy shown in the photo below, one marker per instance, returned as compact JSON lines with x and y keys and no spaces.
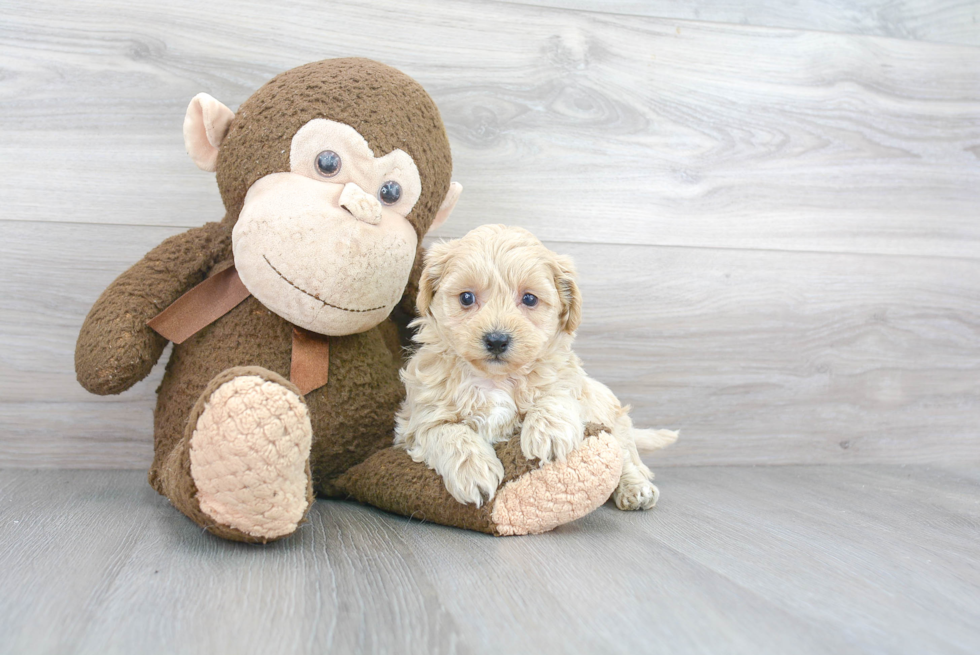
{"x":498,"y":316}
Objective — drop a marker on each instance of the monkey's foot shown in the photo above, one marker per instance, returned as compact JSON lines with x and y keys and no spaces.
{"x":249,"y":455}
{"x":562,"y":491}
{"x":531,"y":499}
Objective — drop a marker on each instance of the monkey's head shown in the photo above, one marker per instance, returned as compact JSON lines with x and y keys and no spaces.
{"x":331,"y":174}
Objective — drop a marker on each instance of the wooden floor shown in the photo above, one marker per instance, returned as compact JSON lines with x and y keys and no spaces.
{"x":819,"y":559}
{"x":773,"y":210}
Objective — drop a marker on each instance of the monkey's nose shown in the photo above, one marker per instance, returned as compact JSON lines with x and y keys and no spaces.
{"x":361,"y":204}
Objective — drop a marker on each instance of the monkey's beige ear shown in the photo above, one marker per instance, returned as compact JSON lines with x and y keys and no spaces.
{"x":206,"y":124}
{"x":436,"y":258}
{"x":568,"y":293}
{"x":446,"y":208}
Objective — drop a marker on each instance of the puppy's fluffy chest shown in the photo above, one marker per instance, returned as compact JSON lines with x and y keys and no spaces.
{"x":489,"y":408}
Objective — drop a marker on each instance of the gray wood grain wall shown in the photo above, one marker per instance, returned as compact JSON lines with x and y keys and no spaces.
{"x":774,"y":207}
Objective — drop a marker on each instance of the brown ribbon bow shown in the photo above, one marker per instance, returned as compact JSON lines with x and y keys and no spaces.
{"x":218,"y":295}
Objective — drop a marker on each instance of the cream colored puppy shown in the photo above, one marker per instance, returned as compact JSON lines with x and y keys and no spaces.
{"x":498,"y":316}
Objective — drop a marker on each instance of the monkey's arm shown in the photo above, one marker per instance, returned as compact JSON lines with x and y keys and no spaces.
{"x":406,"y":311}
{"x":115,"y":348}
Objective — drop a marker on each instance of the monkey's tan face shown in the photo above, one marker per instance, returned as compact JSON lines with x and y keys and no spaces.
{"x":327,"y":246}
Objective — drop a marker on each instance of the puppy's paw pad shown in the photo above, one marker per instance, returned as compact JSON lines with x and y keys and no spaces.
{"x":475,"y":479}
{"x":637,"y":495}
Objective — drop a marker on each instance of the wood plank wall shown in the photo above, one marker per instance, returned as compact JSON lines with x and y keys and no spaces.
{"x":775,"y":211}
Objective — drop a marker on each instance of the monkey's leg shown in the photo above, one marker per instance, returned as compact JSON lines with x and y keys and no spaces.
{"x":242,"y":469}
{"x":530,"y":498}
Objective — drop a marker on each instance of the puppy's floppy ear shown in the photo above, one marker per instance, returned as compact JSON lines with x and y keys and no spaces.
{"x":570,"y":297}
{"x":436,"y":258}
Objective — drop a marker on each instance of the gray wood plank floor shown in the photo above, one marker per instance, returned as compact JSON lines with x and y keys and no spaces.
{"x":734,"y":560}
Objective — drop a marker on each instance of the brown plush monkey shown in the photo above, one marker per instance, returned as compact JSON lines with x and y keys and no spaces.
{"x":289,"y":317}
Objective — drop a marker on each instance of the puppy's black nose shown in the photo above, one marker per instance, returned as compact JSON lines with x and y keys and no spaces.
{"x":496,"y":342}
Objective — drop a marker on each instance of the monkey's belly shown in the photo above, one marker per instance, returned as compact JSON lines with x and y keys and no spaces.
{"x":352,"y":415}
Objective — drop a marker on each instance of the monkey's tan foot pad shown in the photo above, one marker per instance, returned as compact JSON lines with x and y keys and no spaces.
{"x":559,"y":492}
{"x":249,"y":456}
{"x":531,"y":499}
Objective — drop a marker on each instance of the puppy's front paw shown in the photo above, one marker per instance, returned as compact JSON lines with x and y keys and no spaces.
{"x":636,"y":495}
{"x":549,"y":437}
{"x":474,"y":477}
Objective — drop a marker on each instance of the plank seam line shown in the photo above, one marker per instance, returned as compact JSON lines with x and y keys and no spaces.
{"x":176,"y":229}
{"x":742,"y":26}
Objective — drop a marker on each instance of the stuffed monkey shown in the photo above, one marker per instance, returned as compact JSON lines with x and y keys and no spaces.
{"x":289,"y":318}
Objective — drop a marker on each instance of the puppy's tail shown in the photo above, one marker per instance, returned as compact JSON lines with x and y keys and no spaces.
{"x":647,"y":440}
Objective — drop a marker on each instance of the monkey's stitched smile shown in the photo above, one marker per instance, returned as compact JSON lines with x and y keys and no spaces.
{"x":316,"y":297}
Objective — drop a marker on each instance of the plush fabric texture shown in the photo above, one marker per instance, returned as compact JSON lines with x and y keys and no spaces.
{"x":360,"y":168}
{"x":205,"y":126}
{"x":388,"y":108}
{"x":560,"y":492}
{"x":174,"y":476}
{"x":531,"y":499}
{"x":352,"y":416}
{"x":116,"y":349}
{"x":250,"y":454}
{"x":280,"y":254}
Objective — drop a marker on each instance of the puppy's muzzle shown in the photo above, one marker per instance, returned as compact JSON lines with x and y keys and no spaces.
{"x":496,"y":343}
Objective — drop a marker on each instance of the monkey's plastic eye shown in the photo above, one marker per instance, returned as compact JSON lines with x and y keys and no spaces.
{"x":390,"y":192}
{"x":530,"y":299}
{"x":328,"y":163}
{"x":466,"y":299}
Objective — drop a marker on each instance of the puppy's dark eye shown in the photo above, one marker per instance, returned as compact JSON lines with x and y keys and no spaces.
{"x":390,"y":192}
{"x":530,"y":299}
{"x":328,"y":163}
{"x":466,"y":299}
